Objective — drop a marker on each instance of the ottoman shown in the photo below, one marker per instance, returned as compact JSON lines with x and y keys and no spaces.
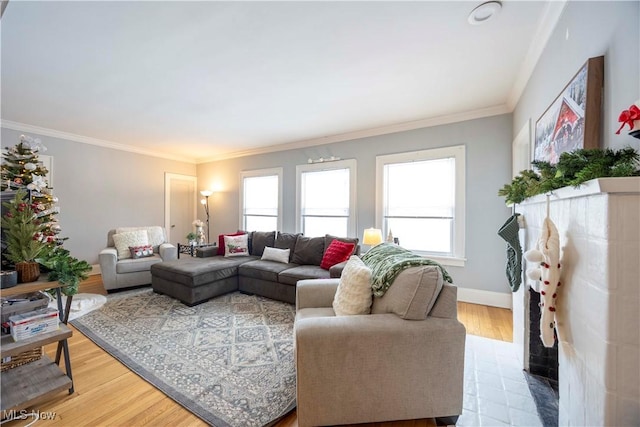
{"x":196,"y":280}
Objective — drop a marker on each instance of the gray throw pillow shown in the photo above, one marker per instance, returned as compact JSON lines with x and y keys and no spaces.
{"x":262,"y":239}
{"x":250,"y":233}
{"x":308,"y":251}
{"x":287,"y":241}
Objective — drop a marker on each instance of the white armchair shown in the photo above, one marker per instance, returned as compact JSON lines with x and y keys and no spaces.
{"x":123,"y":271}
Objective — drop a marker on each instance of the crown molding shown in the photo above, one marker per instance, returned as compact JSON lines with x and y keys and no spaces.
{"x":547,"y":24}
{"x":23,"y":127}
{"x":348,"y":136}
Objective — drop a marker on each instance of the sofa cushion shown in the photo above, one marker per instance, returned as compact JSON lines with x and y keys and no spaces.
{"x":221,"y":246}
{"x":155,"y":234}
{"x":207,"y":252}
{"x":286,"y":241}
{"x":328,"y":238}
{"x":126,"y":239}
{"x":263,"y":270}
{"x":336,"y":253}
{"x":308,"y":250}
{"x":262,"y":239}
{"x":131,"y":265}
{"x":291,"y":276}
{"x":275,"y":254}
{"x":412,"y":293}
{"x":192,"y":271}
{"x":236,"y":245}
{"x":141,"y":251}
{"x":354,"y":294}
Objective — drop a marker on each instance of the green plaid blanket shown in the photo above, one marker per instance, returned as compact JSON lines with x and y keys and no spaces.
{"x":387,"y":260}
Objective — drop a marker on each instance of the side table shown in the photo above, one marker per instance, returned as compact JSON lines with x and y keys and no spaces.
{"x":25,"y":385}
{"x":191,"y":249}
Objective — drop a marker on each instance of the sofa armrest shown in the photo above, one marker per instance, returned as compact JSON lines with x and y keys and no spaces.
{"x":335,"y":271}
{"x":108,"y":259}
{"x":379,"y":363}
{"x":446,"y":305}
{"x":314,"y":293}
{"x":168,"y":252}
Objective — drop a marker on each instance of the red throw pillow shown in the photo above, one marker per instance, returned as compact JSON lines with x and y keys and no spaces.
{"x":336,"y":253}
{"x":221,"y":241}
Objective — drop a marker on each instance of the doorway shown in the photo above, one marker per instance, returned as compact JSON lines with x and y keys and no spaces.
{"x":180,"y":196}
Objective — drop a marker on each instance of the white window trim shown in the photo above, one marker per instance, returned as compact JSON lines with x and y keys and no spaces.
{"x":257,"y":173}
{"x":350,"y":164}
{"x":458,"y":152}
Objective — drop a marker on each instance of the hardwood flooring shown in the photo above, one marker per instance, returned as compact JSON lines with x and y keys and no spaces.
{"x":109,"y":394}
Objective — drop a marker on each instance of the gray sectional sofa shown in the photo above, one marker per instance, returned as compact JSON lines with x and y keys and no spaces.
{"x":194,"y":280}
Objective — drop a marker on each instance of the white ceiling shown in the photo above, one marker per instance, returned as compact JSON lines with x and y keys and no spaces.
{"x":206,"y":80}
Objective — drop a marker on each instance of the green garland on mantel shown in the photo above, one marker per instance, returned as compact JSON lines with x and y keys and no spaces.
{"x":573,"y":169}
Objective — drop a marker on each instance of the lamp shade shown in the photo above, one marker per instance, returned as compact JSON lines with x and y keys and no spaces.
{"x":372,"y":236}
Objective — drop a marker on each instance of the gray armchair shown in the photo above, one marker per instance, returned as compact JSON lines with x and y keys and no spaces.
{"x":382,"y":366}
{"x":126,"y":272}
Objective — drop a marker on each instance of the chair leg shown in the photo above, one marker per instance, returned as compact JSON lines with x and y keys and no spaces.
{"x":447,"y":421}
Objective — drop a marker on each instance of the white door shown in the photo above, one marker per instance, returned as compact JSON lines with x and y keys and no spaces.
{"x":180,"y":206}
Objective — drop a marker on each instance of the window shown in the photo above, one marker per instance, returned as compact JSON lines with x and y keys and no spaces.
{"x":325,"y":202}
{"x":420,"y":199}
{"x":261,"y":200}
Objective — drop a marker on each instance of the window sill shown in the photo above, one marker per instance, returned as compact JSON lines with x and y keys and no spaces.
{"x":446,"y":261}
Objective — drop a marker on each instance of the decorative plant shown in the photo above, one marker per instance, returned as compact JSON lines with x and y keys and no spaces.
{"x":65,"y":269}
{"x":573,"y":169}
{"x":24,"y":232}
{"x":191,"y":236}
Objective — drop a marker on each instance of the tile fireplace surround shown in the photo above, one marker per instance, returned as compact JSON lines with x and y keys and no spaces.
{"x":598,"y":305}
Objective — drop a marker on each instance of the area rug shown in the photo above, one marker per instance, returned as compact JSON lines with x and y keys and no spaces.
{"x":81,"y":304}
{"x":229,"y":360}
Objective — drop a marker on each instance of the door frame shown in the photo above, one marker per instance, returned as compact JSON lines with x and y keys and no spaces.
{"x":167,"y":197}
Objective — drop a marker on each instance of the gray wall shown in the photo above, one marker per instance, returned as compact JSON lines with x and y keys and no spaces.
{"x":488,"y":150}
{"x":101,"y":188}
{"x":604,"y":28}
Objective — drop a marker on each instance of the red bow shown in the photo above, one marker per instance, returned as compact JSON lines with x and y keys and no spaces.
{"x":627,"y":117}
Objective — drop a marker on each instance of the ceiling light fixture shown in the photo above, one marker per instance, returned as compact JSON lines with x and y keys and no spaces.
{"x":484,"y":12}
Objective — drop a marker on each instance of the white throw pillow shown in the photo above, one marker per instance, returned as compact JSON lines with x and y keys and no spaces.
{"x":275,"y":254}
{"x":155,"y":233}
{"x":236,"y":245}
{"x":122,"y":241}
{"x":354,"y":294}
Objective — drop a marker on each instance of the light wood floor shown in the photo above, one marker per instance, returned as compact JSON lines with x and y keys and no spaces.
{"x":109,"y":394}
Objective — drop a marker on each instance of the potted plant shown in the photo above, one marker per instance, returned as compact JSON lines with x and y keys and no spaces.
{"x":65,"y":269}
{"x":24,"y":237}
{"x":191,"y":238}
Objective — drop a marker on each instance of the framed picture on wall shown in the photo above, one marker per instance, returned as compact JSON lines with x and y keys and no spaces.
{"x":572,"y":121}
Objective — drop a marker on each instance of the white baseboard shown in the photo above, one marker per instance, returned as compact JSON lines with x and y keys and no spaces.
{"x":95,"y":269}
{"x":493,"y":299}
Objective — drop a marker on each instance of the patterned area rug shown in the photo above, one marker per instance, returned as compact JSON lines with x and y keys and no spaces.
{"x":229,"y":360}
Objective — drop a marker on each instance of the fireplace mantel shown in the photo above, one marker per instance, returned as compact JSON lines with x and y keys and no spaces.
{"x":598,"y":306}
{"x":595,"y":186}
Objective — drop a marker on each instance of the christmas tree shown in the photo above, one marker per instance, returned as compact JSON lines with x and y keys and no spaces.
{"x":21,"y":169}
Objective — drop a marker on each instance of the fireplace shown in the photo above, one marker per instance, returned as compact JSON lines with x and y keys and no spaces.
{"x":597,"y":318}
{"x":543,"y":361}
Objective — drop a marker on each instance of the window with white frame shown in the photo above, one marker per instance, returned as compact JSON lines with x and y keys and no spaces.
{"x":261,"y":200}
{"x":325,"y":202}
{"x":420,"y":200}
